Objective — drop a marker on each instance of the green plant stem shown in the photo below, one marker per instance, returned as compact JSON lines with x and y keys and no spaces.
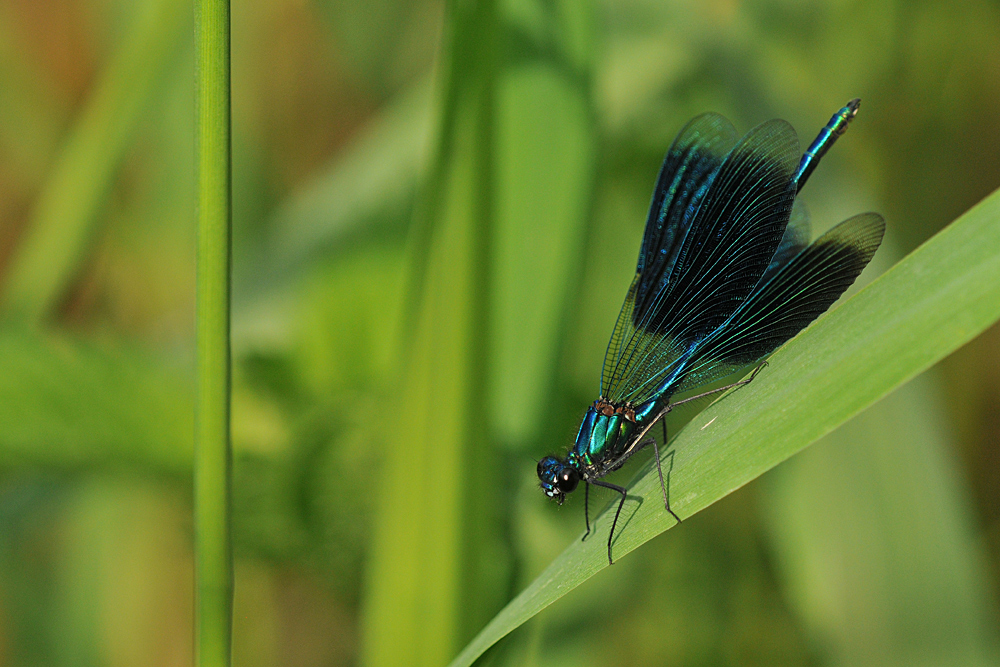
{"x":213,"y":549}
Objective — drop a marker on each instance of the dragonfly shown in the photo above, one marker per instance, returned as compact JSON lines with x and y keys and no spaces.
{"x":726,"y":274}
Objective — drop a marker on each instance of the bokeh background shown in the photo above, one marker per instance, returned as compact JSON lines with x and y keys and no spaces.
{"x":437,"y":212}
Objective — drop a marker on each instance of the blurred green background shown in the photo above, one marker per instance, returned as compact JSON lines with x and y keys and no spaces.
{"x":437,"y":212}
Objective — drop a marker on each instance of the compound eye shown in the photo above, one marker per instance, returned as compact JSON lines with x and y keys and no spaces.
{"x":546,"y":467}
{"x":568,"y":479}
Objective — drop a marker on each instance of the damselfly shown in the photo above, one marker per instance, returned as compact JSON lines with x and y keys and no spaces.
{"x":726,"y":274}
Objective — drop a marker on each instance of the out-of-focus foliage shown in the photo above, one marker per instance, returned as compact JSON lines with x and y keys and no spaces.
{"x":363,"y":239}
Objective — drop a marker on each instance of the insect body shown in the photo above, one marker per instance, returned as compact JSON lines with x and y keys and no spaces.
{"x":726,"y":274}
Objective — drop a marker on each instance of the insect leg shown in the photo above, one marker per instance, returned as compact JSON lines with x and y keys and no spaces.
{"x":586,"y":509}
{"x":728,"y":386}
{"x":663,"y":487}
{"x":621,"y":490}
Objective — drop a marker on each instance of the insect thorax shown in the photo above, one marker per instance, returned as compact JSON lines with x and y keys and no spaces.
{"x":606,"y":431}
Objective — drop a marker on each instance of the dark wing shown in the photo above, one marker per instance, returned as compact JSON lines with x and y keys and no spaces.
{"x":799,"y":292}
{"x":728,"y":244}
{"x":688,"y":170}
{"x":793,"y":241}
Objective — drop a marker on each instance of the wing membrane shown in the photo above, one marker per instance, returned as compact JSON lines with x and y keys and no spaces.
{"x":689,"y":167}
{"x":688,"y":170}
{"x":799,"y":292}
{"x":793,"y":241}
{"x":623,"y":331}
{"x":734,"y":230}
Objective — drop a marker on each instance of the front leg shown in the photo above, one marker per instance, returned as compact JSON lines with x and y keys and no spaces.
{"x":621,"y":490}
{"x":586,"y":509}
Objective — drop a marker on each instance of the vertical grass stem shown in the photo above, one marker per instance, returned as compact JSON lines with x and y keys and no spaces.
{"x":213,"y":550}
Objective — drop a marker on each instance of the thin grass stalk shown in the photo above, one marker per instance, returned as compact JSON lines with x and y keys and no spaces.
{"x":213,"y":455}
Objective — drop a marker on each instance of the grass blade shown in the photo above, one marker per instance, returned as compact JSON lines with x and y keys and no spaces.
{"x":213,"y":454}
{"x":433,"y":531}
{"x":935,"y":300}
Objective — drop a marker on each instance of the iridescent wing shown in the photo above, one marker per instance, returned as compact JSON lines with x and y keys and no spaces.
{"x":688,"y":171}
{"x":726,"y":237}
{"x":690,"y":166}
{"x":793,"y":241}
{"x":799,"y":291}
